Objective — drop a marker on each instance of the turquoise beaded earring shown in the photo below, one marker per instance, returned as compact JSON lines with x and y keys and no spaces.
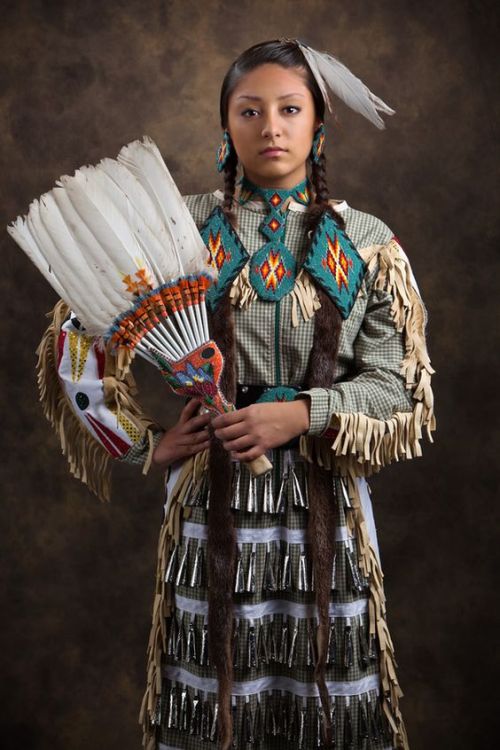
{"x":318,"y":144}
{"x":224,"y":151}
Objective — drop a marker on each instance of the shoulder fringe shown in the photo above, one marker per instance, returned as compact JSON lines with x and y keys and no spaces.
{"x":242,"y":293}
{"x":87,"y":459}
{"x":191,"y":474}
{"x":365,"y":444}
{"x":370,"y":566}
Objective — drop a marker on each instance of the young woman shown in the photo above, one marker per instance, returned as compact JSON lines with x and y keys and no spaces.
{"x":269,"y":624}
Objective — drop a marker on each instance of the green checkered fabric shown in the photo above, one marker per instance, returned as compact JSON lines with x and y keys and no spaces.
{"x":269,"y":351}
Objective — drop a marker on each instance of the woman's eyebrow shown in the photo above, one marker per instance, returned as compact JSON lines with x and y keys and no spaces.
{"x":259,"y":98}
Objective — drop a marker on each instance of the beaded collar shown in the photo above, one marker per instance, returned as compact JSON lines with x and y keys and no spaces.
{"x":332,"y":260}
{"x":274,"y":198}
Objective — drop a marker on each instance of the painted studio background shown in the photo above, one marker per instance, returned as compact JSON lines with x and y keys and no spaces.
{"x":77,"y":81}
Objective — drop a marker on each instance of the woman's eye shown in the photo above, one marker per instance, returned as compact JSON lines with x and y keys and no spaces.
{"x":246,"y":112}
{"x":291,"y":106}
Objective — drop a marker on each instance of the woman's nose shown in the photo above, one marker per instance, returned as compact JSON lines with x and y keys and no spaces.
{"x":271,"y":127}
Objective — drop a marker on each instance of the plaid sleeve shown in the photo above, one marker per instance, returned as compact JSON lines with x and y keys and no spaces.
{"x":376,"y":388}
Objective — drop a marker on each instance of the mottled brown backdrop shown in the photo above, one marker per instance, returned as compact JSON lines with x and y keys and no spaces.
{"x":77,"y":81}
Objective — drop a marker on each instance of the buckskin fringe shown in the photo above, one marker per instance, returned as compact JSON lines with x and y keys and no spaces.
{"x":191,"y":474}
{"x":304,"y":295}
{"x":87,"y":458}
{"x":365,"y":444}
{"x":370,"y":566}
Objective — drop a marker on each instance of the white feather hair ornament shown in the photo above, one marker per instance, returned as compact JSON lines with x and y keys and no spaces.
{"x":331,"y":74}
{"x":117,"y":242}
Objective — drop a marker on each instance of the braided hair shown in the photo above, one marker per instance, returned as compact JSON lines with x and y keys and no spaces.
{"x":320,"y":370}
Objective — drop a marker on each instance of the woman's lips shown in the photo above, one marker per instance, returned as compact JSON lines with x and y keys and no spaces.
{"x":272,"y":152}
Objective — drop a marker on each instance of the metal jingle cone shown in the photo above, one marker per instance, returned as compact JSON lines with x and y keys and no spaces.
{"x":180,"y":644}
{"x":319,"y":726}
{"x":302,"y":726}
{"x":333,"y":720}
{"x":362,"y":721}
{"x":172,"y":635}
{"x":270,"y":725}
{"x":250,"y":582}
{"x":272,"y":649}
{"x":236,"y":486}
{"x":283,"y":490}
{"x":292,"y":656}
{"x":207,"y":501}
{"x":156,"y":717}
{"x":252,"y":494}
{"x":184,"y":710}
{"x":239,"y":585}
{"x":364,"y":658}
{"x":379,"y":720}
{"x":191,"y":651}
{"x":303,"y":582}
{"x":172,"y":565}
{"x":214,"y":728}
{"x":283,"y":648}
{"x":293,"y":720}
{"x":332,"y":644}
{"x":334,"y":571}
{"x":195,"y":579}
{"x":345,"y":494}
{"x":195,"y":723}
{"x":311,"y":644}
{"x":204,"y":661}
{"x":357,"y":584}
{"x":286,"y":571}
{"x":236,"y":643}
{"x":299,"y":500}
{"x":348,"y":733}
{"x":372,"y":723}
{"x":258,"y":723}
{"x":252,"y":659}
{"x":181,"y":577}
{"x":173,"y":720}
{"x":269,"y":578}
{"x":262,"y":652}
{"x":247,"y":724}
{"x":283,"y":713}
{"x":206,"y":720}
{"x":268,"y":497}
{"x":372,"y":647}
{"x":234,"y":714}
{"x":348,"y":649}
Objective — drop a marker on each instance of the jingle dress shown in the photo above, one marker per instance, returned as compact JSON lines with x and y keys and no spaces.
{"x":375,"y":412}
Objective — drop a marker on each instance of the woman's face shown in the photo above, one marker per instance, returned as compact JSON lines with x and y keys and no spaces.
{"x":272,"y":106}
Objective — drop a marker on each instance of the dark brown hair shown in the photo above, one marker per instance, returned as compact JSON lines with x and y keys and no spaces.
{"x":221,"y":545}
{"x":288,"y":55}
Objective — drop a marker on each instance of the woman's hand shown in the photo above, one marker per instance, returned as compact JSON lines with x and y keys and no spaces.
{"x":187,"y":437}
{"x":249,"y":432}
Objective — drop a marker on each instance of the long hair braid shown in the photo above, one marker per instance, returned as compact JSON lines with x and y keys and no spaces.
{"x":230,"y":172}
{"x":322,"y":197}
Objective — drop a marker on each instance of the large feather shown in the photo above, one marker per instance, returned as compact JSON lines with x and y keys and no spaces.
{"x":145,"y":161}
{"x":103,"y":224}
{"x":330,"y":72}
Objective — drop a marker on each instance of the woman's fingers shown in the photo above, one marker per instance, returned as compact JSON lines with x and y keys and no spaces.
{"x":246,"y":441}
{"x":189,"y":409}
{"x":197,"y":423}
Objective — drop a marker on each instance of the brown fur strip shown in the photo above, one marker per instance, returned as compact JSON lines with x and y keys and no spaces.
{"x":221,"y":539}
{"x":321,"y":521}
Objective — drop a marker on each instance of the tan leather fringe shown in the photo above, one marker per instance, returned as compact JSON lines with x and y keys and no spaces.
{"x":242,"y":292}
{"x":370,"y":566}
{"x":364,"y":444}
{"x":191,"y":474}
{"x":305,"y":295}
{"x":87,"y":459}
